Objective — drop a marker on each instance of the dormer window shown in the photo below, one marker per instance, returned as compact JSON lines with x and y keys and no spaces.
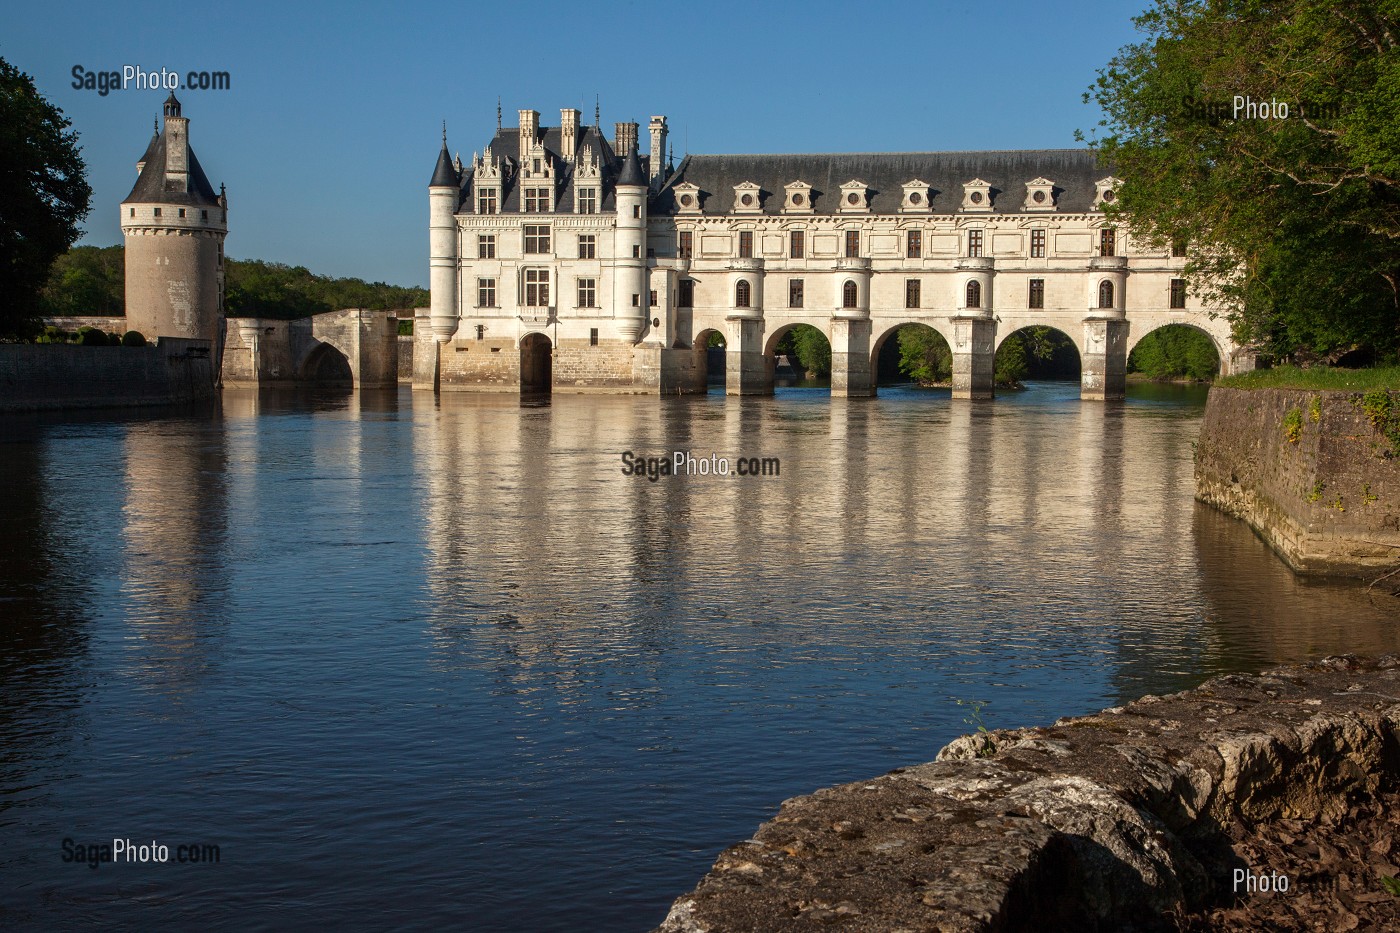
{"x":687,"y":198}
{"x":977,"y":195}
{"x":746,"y":198}
{"x":486,"y":200}
{"x":1106,"y":192}
{"x":916,"y":198}
{"x":797,"y":198}
{"x":855,"y":197}
{"x":587,"y":200}
{"x":536,"y":201}
{"x":1040,"y":195}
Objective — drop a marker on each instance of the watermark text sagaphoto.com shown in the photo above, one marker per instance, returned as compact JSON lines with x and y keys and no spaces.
{"x":141,"y":79}
{"x":127,"y":851}
{"x":686,"y":463}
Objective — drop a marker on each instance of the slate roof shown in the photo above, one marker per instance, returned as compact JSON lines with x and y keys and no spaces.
{"x":445,"y":174}
{"x":151,"y":187}
{"x":505,"y":147}
{"x":631,"y":173}
{"x":1074,"y":172}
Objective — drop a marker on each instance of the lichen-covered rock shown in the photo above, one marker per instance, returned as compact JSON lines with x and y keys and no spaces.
{"x":1123,"y":820}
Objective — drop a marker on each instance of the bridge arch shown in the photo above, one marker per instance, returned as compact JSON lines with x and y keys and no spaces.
{"x":536,"y":362}
{"x":324,"y":364}
{"x":1075,"y":335}
{"x":770,"y":339}
{"x":1222,"y":360}
{"x":880,"y":338}
{"x":1056,"y":363}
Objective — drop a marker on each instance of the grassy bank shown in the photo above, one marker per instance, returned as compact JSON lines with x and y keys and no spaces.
{"x":1318,"y":377}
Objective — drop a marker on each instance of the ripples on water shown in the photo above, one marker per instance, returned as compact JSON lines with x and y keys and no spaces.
{"x":427,"y":664}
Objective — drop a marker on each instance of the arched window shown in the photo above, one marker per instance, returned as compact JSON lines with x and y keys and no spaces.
{"x":741,"y":294}
{"x":848,"y":295}
{"x":974,"y":294}
{"x":1105,"y":294}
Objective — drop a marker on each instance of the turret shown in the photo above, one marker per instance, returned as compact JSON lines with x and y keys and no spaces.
{"x":173,"y":227}
{"x":630,"y":292}
{"x":443,"y":192}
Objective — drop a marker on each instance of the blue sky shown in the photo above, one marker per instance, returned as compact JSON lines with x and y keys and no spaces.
{"x":328,"y":134}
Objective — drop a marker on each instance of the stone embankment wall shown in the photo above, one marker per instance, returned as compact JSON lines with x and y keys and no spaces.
{"x":45,"y":377}
{"x":1313,"y":473}
{"x":1121,"y":820}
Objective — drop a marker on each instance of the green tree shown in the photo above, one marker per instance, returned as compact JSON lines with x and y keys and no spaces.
{"x":1175,"y":352}
{"x":1010,"y":366}
{"x":812,"y":349}
{"x":1292,"y":224}
{"x":86,"y":280}
{"x":924,"y":355}
{"x":43,"y":196}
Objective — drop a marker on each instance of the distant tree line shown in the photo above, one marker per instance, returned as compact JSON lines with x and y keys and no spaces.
{"x":91,"y":280}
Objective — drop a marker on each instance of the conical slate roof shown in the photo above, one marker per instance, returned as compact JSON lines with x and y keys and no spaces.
{"x":151,"y":186}
{"x":632,"y":173}
{"x":445,"y":174}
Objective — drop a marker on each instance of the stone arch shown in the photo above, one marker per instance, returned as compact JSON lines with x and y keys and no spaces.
{"x":1076,"y":343}
{"x":704,"y":358}
{"x":880,"y":338}
{"x":770,"y":340}
{"x":536,"y":362}
{"x":1222,"y":357}
{"x":326,"y":365}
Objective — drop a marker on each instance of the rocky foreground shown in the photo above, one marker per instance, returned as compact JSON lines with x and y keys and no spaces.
{"x":1249,"y":803}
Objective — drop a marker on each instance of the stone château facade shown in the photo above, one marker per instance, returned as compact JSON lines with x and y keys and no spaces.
{"x":173,"y":227}
{"x":562,"y":259}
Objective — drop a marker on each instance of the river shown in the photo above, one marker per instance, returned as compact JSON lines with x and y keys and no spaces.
{"x":425,"y":664}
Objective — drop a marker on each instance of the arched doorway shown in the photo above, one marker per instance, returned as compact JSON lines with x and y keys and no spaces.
{"x":536,"y":364}
{"x":325,"y":366}
{"x":1037,"y":353}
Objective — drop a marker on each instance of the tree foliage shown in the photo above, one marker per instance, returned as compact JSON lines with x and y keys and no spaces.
{"x":810,"y":346}
{"x":1175,"y":352}
{"x":91,"y":280}
{"x":924,"y":355}
{"x":43,"y":196}
{"x":1292,"y":224}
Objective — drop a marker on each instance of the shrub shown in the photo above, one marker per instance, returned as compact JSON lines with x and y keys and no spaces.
{"x":133,"y":338}
{"x":1293,"y":425}
{"x":91,"y":337}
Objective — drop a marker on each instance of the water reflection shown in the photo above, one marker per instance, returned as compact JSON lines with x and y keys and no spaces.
{"x":450,"y":631}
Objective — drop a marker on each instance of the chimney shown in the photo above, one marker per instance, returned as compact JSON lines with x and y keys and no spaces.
{"x":529,"y":132}
{"x":658,"y":149}
{"x":625,"y":138}
{"x":177,"y":153}
{"x":568,"y":134}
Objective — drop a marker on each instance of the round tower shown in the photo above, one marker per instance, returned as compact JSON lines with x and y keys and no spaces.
{"x":173,"y":227}
{"x":630,"y":294}
{"x":443,"y":193}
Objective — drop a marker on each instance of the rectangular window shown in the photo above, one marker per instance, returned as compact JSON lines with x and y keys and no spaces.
{"x":794,"y":293}
{"x":486,"y":293}
{"x":636,"y":251}
{"x":687,"y":295}
{"x":588,"y":200}
{"x":587,"y":246}
{"x":157,"y":212}
{"x":651,"y":299}
{"x":914,"y":248}
{"x":537,"y":288}
{"x":1178,"y":249}
{"x":1178,"y":293}
{"x":486,"y":201}
{"x":537,"y":200}
{"x":636,"y":300}
{"x":203,"y":215}
{"x":536,"y":239}
{"x":852,"y":242}
{"x":481,"y":332}
{"x":797,"y":244}
{"x":486,"y":246}
{"x":588,"y":293}
{"x":685,"y":244}
{"x":592,"y":336}
{"x":1037,"y":244}
{"x":745,"y":244}
{"x":912,"y":293}
{"x":636,"y":211}
{"x":974,"y":243}
{"x":1107,"y":244}
{"x":1037,"y":296}
{"x":182,"y":212}
{"x":133,"y":211}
